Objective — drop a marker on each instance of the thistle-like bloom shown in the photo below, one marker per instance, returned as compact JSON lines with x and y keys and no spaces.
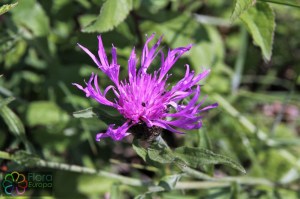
{"x":144,"y":99}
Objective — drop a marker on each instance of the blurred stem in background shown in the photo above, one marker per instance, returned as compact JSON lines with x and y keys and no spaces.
{"x":240,"y":61}
{"x":30,"y":161}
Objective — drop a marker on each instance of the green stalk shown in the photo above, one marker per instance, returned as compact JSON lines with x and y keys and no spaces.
{"x":240,"y":62}
{"x":85,"y":170}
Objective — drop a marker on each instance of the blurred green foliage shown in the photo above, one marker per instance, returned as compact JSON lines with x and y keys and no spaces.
{"x":254,"y":63}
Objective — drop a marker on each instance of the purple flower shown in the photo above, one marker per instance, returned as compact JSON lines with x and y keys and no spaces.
{"x":145,"y":100}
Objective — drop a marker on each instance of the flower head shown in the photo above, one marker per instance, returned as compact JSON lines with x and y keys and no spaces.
{"x":144,"y":99}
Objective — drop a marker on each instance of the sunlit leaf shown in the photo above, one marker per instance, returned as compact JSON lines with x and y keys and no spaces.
{"x":5,"y":8}
{"x":241,"y":6}
{"x":260,"y":21}
{"x":30,"y":15}
{"x":5,"y":155}
{"x":112,"y":13}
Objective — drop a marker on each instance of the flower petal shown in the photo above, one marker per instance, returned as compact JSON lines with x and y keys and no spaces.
{"x":173,"y":56}
{"x":90,"y":54}
{"x":162,"y":124}
{"x":95,"y":93}
{"x":102,"y":54}
{"x":116,"y":134}
{"x":132,"y":66}
{"x":148,"y":56}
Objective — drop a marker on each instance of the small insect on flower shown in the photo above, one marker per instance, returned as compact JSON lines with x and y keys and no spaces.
{"x":144,"y":99}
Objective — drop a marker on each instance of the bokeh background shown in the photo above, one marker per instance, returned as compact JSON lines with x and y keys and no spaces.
{"x":254,"y":78}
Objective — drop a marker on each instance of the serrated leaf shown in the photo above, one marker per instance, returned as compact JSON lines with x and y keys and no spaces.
{"x":260,"y":22}
{"x":241,"y":6}
{"x":45,"y":113}
{"x":159,"y":152}
{"x":112,"y":13}
{"x":5,"y":8}
{"x":196,"y":157}
{"x":160,"y":155}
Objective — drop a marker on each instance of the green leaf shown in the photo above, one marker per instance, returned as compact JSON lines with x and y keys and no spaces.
{"x":112,"y":13}
{"x":159,"y":152}
{"x":85,"y":113}
{"x":196,"y":157}
{"x":13,"y":121}
{"x":45,"y":113}
{"x":25,"y":159}
{"x":154,"y":5}
{"x":240,"y":7}
{"x":292,"y":3}
{"x":139,"y":150}
{"x":14,"y":55}
{"x":183,"y":29}
{"x":94,"y":185}
{"x":260,"y":22}
{"x":5,"y":8}
{"x":5,"y":155}
{"x":169,"y":182}
{"x":100,"y":114}
{"x":115,"y":191}
{"x":6,"y":101}
{"x":30,"y":15}
{"x":204,"y":142}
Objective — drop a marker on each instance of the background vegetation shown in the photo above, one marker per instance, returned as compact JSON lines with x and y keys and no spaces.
{"x":252,"y":48}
